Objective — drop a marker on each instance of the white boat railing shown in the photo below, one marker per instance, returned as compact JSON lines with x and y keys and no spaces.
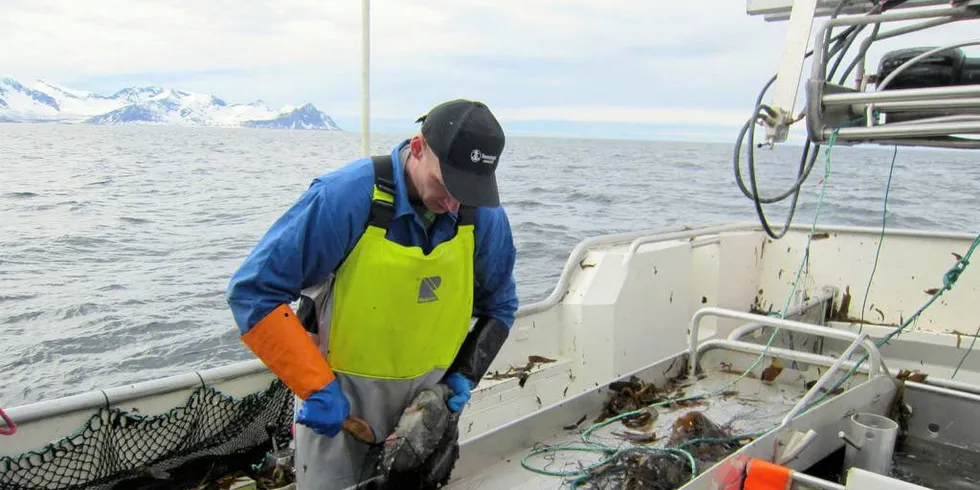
{"x":791,"y":325}
{"x":98,"y":399}
{"x":637,"y":238}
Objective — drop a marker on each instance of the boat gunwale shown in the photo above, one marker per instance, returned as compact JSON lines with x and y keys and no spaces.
{"x":97,"y":399}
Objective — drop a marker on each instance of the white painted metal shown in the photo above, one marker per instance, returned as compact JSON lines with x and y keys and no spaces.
{"x":780,"y":10}
{"x":686,"y":234}
{"x":366,"y":77}
{"x":813,"y":482}
{"x":951,"y":10}
{"x":858,"y":479}
{"x":903,"y":131}
{"x":869,"y":347}
{"x":790,"y":68}
{"x":750,"y":348}
{"x":637,"y":238}
{"x":904,"y":95}
{"x":946,"y":105}
{"x":943,"y":415}
{"x":914,"y":353}
{"x":871,"y":440}
{"x":843,"y":257}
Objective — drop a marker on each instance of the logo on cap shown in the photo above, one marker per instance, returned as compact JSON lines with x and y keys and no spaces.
{"x":477,"y":156}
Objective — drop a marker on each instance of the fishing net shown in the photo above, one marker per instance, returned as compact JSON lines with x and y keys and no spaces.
{"x":212,"y":435}
{"x":695,"y":443}
{"x":647,"y":470}
{"x":666,"y":458}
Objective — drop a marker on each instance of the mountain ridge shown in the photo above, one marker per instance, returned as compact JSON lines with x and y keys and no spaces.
{"x":47,"y":101}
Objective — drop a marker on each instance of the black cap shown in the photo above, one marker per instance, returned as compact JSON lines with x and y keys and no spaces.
{"x":468,"y":140}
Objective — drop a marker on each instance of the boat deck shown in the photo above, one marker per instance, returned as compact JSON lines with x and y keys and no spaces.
{"x":749,"y":406}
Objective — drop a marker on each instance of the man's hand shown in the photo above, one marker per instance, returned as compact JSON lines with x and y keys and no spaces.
{"x":325,"y":410}
{"x":461,"y":387}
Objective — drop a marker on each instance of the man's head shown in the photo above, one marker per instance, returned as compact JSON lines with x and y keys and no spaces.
{"x":458,"y":151}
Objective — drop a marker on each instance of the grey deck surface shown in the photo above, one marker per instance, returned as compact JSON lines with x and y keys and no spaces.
{"x":756,"y":407}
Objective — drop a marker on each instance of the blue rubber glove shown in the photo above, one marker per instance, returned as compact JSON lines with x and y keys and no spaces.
{"x":461,"y":386}
{"x":325,"y":411}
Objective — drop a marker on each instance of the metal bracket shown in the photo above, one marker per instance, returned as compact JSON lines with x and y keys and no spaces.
{"x":790,"y":70}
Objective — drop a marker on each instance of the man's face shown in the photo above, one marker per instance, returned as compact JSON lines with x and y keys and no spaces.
{"x":428,"y":181}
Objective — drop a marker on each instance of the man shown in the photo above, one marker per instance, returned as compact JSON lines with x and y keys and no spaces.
{"x":405,"y":251}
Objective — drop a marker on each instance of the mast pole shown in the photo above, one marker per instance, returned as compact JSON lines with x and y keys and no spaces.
{"x":365,"y":77}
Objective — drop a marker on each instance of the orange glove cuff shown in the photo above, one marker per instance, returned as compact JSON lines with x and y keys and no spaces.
{"x":282,"y":343}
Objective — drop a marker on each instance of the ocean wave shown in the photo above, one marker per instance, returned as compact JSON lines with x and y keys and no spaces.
{"x":126,"y":256}
{"x":20,"y":195}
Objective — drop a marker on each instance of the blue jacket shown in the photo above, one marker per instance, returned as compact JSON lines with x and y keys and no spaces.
{"x":310,"y":239}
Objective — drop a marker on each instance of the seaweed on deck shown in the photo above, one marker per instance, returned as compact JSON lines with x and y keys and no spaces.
{"x":636,"y":394}
{"x":703,"y":438}
{"x":647,"y":466}
{"x":658,"y":469}
{"x":520,"y":372}
{"x":636,"y":470}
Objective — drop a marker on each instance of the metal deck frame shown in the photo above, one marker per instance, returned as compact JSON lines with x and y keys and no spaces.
{"x":948,"y":117}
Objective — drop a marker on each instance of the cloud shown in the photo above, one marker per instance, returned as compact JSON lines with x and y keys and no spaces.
{"x":690,"y":63}
{"x":647,"y":115}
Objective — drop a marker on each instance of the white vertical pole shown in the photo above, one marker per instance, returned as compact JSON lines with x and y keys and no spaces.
{"x":365,"y":76}
{"x":791,"y":66}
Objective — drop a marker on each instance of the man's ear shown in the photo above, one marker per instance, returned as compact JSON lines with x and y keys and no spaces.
{"x":416,"y":146}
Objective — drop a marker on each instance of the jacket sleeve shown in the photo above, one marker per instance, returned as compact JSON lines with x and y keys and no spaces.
{"x":495,"y":296}
{"x":495,"y":291}
{"x":299,"y":250}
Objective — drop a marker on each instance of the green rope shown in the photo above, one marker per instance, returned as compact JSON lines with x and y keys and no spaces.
{"x":881,"y":239}
{"x":580,"y":479}
{"x":584,"y":472}
{"x":568,"y":447}
{"x":720,"y":440}
{"x":949,"y":279}
{"x":966,"y":354}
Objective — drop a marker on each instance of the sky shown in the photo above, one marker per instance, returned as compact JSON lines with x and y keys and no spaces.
{"x":681,"y":70}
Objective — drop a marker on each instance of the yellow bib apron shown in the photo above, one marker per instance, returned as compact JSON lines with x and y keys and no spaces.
{"x":393,"y":322}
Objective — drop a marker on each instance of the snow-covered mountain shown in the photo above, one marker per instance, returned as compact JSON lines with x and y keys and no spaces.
{"x":49,"y":102}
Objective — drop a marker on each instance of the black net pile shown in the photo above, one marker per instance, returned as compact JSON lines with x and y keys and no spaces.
{"x":212,"y":434}
{"x":647,"y":470}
